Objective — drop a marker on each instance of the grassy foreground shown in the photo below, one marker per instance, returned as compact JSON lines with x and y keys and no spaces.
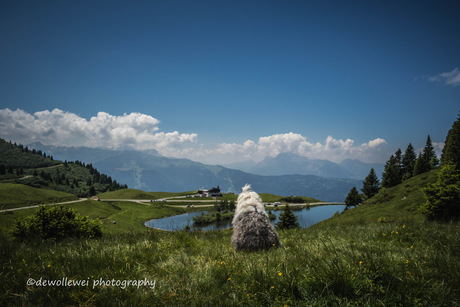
{"x":352,"y":259}
{"x":379,"y":264}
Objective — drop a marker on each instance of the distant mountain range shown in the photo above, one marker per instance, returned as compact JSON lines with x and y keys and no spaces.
{"x":291,"y":164}
{"x":150,"y":171}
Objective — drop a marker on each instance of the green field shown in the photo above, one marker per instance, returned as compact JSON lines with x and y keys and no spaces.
{"x":138,"y":194}
{"x":14,"y":195}
{"x":115,"y":217}
{"x":379,"y":254}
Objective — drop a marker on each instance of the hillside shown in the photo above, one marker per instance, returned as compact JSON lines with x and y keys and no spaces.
{"x":16,"y":156}
{"x":14,"y":195}
{"x":398,"y":204}
{"x":138,"y":194}
{"x":20,"y":165}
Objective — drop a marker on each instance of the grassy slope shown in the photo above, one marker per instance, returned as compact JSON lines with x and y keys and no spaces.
{"x":128,"y":216}
{"x":138,"y":194}
{"x":17,"y":195}
{"x":347,"y":260}
{"x":398,"y":204}
{"x":70,"y":178}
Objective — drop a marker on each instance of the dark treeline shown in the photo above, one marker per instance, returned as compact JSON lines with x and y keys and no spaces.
{"x":15,"y":156}
{"x":74,"y":177}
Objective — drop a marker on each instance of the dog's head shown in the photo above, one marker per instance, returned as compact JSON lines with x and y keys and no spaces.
{"x":248,"y":201}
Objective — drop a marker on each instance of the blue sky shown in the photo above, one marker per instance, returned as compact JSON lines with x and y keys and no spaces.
{"x":225,"y":81}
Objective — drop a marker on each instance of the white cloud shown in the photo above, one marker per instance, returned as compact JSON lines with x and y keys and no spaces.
{"x":450,"y":78}
{"x":103,"y":130}
{"x":140,"y":131}
{"x":332,"y":149}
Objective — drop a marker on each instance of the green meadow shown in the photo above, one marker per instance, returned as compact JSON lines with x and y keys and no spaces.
{"x":13,"y":195}
{"x":383,"y":253}
{"x":138,"y":194}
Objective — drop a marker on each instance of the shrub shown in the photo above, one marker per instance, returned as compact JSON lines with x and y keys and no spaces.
{"x":55,"y":223}
{"x":287,"y":219}
{"x":443,"y":196}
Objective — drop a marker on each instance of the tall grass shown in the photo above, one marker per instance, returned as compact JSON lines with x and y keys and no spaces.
{"x":375,"y":264}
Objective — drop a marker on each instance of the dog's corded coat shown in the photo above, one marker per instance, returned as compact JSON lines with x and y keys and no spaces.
{"x":252,"y":229}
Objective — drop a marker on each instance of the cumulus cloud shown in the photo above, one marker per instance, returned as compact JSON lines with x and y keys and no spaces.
{"x":141,"y":132}
{"x":332,"y":149}
{"x":56,"y":127}
{"x":449,"y":78}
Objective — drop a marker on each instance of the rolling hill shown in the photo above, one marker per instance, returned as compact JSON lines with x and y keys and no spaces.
{"x":36,"y":169}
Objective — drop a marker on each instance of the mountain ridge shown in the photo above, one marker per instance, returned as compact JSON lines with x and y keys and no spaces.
{"x":292,"y":164}
{"x":142,"y":170}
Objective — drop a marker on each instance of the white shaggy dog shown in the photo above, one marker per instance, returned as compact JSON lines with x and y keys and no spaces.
{"x":252,"y":229}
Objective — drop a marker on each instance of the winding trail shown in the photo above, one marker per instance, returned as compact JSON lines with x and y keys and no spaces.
{"x":153,"y":202}
{"x":53,"y":204}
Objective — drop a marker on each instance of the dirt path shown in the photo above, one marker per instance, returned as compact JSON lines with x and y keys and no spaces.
{"x":54,"y":204}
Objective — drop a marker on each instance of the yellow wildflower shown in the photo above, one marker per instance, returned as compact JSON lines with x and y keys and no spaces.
{"x":280,"y":273}
{"x":411,"y":246}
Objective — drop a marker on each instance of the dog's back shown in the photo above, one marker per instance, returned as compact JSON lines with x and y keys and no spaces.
{"x":252,"y":229}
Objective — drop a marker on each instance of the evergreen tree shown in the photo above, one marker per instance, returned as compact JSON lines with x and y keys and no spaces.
{"x":443,"y":196}
{"x":92,"y":191}
{"x":392,"y":173}
{"x":2,"y":169}
{"x":288,"y":219}
{"x":353,"y":198}
{"x":408,"y":162}
{"x":428,"y":154}
{"x":371,"y":185}
{"x":434,"y":162}
{"x":398,"y":165}
{"x":419,"y":167}
{"x":451,"y":150}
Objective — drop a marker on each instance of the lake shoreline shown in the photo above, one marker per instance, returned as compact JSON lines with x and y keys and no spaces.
{"x":188,"y":221}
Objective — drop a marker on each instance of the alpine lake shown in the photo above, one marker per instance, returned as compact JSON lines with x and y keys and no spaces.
{"x":307,"y":216}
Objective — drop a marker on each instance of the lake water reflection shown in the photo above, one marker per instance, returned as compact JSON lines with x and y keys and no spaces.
{"x":306,"y":218}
